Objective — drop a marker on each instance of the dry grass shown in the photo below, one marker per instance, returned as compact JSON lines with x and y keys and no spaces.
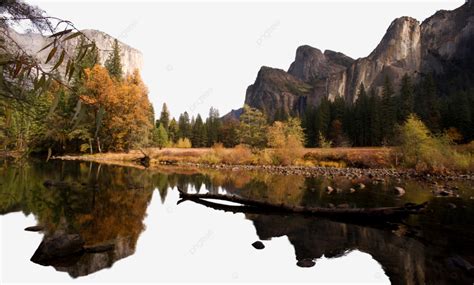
{"x":365,"y":157}
{"x":337,"y":157}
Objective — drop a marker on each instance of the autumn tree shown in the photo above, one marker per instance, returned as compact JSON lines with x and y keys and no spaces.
{"x":228,"y":133}
{"x":287,"y":140}
{"x":122,"y":109}
{"x":252,"y":128}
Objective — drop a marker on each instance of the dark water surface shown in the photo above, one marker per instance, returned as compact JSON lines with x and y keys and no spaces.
{"x":153,"y":239}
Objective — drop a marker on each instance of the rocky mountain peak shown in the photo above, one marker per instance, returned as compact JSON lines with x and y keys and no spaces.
{"x":441,"y":43}
{"x":400,"y":44}
{"x":311,"y":64}
{"x":31,"y":42}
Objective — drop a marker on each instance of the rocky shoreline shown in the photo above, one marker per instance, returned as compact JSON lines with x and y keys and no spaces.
{"x":375,"y":174}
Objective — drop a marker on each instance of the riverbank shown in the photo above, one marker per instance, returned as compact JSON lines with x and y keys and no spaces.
{"x":376,"y":164}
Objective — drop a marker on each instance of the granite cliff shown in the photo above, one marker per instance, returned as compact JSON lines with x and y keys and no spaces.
{"x":442,"y":41}
{"x":32,"y":42}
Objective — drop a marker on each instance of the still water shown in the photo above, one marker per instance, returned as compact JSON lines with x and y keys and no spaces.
{"x":155,"y":239}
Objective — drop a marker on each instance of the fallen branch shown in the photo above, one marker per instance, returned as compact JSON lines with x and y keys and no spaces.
{"x":249,"y":205}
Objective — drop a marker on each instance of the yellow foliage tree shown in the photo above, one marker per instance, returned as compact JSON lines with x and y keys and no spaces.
{"x":122,"y":108}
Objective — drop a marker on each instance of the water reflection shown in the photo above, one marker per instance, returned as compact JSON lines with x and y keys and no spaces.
{"x":107,"y":205}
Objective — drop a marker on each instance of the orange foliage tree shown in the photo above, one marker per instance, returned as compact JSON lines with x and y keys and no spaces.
{"x":123,"y":113}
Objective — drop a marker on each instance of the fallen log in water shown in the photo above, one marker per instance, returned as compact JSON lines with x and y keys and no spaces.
{"x":255,"y":206}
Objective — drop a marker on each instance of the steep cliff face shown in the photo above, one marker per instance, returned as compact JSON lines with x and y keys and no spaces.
{"x":408,"y":47}
{"x":131,"y":58}
{"x":448,"y":36}
{"x":275,"y":91}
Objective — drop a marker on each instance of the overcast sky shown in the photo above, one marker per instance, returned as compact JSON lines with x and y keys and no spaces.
{"x":199,"y":55}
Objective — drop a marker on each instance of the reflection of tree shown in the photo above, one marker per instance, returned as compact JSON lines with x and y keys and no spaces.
{"x":108,"y":204}
{"x":104,"y":204}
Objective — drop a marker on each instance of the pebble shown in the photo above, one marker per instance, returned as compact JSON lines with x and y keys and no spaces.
{"x":399,"y":191}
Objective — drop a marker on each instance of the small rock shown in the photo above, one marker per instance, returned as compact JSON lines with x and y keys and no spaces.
{"x":331,"y":205}
{"x":343,"y":206}
{"x":444,"y":193}
{"x":307,"y":262}
{"x":329,"y":189}
{"x":452,"y":205}
{"x":258,"y":245}
{"x":34,"y":229}
{"x":361,"y":186}
{"x":352,"y":190}
{"x":399,"y":191}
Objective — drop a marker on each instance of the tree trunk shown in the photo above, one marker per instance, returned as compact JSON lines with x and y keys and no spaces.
{"x":253,"y":205}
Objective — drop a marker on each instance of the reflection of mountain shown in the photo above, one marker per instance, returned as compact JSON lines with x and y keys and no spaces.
{"x":92,"y":262}
{"x":405,"y":260}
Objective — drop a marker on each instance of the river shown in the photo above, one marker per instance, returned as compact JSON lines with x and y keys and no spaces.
{"x":156,"y":239}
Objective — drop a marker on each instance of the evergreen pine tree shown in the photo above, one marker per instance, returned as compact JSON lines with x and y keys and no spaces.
{"x":375,"y":127}
{"x":165,"y":117}
{"x":405,"y":104}
{"x":184,"y":126}
{"x":199,"y":136}
{"x":388,"y":111}
{"x":213,"y":124}
{"x":428,"y":105}
{"x":173,"y":131}
{"x":113,"y":62}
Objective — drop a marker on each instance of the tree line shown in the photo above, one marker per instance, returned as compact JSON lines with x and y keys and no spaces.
{"x":372,"y":120}
{"x":101,"y":110}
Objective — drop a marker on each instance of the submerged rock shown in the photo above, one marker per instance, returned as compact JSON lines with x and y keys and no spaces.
{"x":258,"y":245}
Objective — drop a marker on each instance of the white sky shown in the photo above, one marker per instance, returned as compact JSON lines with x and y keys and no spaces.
{"x":199,"y":55}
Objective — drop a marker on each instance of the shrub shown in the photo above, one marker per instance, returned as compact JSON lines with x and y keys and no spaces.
{"x":241,"y":154}
{"x":287,"y":140}
{"x":210,"y":158}
{"x":183,"y":143}
{"x":423,"y":151}
{"x":323,"y":142}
